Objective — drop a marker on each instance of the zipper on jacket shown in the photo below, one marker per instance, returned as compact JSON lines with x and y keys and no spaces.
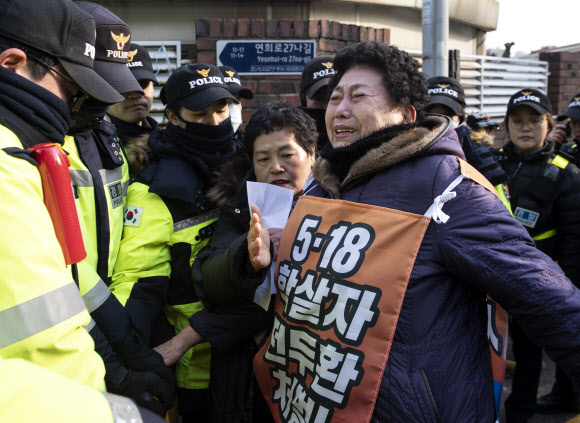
{"x":430,"y":395}
{"x":517,"y":170}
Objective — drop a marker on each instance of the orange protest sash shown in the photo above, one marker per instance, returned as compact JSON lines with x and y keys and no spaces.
{"x":341,"y":277}
{"x":497,"y":336}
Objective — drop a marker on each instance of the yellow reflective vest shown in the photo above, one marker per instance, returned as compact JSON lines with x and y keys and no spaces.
{"x":33,"y":394}
{"x":41,"y":312}
{"x":161,"y":239}
{"x":92,"y":285}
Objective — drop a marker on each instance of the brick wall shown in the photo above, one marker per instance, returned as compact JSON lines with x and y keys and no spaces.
{"x":563,"y":83}
{"x":330,"y":37}
{"x":564,"y":79}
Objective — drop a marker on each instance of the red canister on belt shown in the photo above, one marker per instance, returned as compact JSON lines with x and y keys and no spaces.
{"x":59,"y":199}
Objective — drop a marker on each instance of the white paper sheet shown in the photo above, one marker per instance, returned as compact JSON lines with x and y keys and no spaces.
{"x":275,"y":203}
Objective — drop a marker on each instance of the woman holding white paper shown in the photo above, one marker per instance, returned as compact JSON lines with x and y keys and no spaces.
{"x":279,"y":144}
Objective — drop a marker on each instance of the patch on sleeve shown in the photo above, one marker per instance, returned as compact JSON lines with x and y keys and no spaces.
{"x":526,"y":217}
{"x":132,"y":216}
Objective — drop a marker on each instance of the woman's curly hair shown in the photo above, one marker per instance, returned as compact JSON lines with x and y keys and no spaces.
{"x":401,"y":76}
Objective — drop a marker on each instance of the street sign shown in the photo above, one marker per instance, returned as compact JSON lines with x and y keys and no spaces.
{"x":266,"y":57}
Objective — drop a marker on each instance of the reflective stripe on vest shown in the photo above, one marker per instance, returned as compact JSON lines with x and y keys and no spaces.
{"x":111,"y":175}
{"x":125,"y":187}
{"x":123,"y":409}
{"x":91,"y":325}
{"x":546,"y":235}
{"x":560,"y":161}
{"x":97,"y":295}
{"x":502,"y":194}
{"x":196,"y":220}
{"x":81,"y":178}
{"x":38,"y":314}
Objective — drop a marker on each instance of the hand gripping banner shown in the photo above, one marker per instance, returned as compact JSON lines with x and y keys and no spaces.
{"x":341,"y":275}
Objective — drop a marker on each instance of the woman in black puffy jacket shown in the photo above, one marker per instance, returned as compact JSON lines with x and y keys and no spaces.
{"x":544,"y":194}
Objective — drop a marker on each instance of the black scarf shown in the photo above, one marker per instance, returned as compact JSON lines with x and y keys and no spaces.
{"x":205,"y":147}
{"x":319,"y":116}
{"x":129,"y":130}
{"x":342,"y":158}
{"x":35,"y":106}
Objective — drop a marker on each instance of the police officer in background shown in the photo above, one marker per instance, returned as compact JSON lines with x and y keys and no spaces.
{"x":235,"y":87}
{"x":100,"y":178}
{"x":314,"y":93}
{"x":43,"y":75}
{"x":544,"y":194}
{"x":131,"y":116}
{"x":560,"y":133}
{"x":446,"y":97}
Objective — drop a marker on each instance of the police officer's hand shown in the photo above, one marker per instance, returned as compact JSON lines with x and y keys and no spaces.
{"x":147,"y":389}
{"x":143,"y":359}
{"x":558,"y":135}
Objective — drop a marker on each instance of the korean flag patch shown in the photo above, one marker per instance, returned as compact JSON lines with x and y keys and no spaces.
{"x":132,"y":216}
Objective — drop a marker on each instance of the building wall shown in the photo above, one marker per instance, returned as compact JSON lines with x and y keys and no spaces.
{"x":174,"y":20}
{"x":330,"y":37}
{"x":564,"y":79}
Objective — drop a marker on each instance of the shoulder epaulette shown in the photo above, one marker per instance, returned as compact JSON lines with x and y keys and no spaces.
{"x":21,"y":153}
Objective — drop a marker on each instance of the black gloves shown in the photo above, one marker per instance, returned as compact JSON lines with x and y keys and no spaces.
{"x":143,"y":359}
{"x":147,"y":389}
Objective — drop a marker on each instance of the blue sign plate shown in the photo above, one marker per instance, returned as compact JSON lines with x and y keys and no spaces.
{"x":266,"y":57}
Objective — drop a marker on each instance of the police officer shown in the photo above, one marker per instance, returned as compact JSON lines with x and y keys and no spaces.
{"x":41,"y":74}
{"x":169,"y":218}
{"x":59,"y":399}
{"x":314,"y":93}
{"x":131,"y":116}
{"x":544,"y":194}
{"x":232,"y":80}
{"x":446,"y":97}
{"x":560,"y":133}
{"x":100,"y":177}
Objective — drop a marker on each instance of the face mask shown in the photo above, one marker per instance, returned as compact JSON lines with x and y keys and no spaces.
{"x":235,"y":116}
{"x":455,"y":124}
{"x":86,"y":118}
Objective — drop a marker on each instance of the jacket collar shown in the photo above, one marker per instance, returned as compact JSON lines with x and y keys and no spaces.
{"x":517,"y":156}
{"x":388,"y":154}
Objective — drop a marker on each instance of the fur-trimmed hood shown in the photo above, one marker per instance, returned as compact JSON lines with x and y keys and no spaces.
{"x":229,"y":178}
{"x":388,"y":154}
{"x":137,"y":151}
